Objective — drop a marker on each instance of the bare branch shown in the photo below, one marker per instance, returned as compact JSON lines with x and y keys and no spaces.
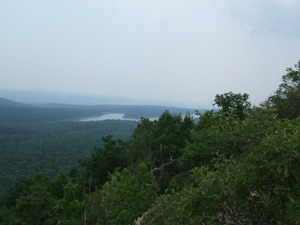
{"x":163,"y":165}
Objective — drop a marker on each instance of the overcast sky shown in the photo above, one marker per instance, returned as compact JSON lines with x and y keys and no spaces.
{"x":183,"y":51}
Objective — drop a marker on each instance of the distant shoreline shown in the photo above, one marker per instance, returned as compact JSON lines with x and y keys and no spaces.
{"x":107,"y":116}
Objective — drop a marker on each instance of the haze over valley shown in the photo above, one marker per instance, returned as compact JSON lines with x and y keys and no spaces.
{"x":44,"y":97}
{"x":174,"y":53}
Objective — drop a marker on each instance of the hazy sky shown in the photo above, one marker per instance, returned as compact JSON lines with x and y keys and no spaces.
{"x":184,"y":51}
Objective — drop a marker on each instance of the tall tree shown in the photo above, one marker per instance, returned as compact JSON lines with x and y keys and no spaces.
{"x":104,"y":160}
{"x":70,"y":211}
{"x":286,"y":99}
{"x":126,"y":196}
{"x":237,"y":104}
{"x":158,"y":144}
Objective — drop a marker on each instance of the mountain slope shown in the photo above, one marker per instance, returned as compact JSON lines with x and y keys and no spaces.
{"x":9,"y":103}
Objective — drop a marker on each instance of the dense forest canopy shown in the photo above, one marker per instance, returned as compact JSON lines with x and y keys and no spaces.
{"x":44,"y":138}
{"x":27,"y":149}
{"x":237,"y":165}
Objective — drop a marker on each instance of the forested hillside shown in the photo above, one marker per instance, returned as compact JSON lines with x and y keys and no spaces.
{"x":7,"y":102}
{"x":27,"y":149}
{"x":11,"y":111}
{"x":45,"y":138}
{"x":240,"y":164}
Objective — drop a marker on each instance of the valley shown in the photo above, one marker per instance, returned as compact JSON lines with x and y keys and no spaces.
{"x":50,"y":138}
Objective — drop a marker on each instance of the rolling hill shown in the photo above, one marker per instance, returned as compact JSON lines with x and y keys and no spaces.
{"x":12,"y":111}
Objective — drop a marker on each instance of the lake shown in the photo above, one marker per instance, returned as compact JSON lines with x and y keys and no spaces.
{"x":109,"y":116}
{"x":115,"y":116}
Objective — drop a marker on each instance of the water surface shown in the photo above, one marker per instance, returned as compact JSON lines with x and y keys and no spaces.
{"x":109,"y":116}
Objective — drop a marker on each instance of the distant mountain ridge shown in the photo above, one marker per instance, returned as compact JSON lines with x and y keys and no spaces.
{"x":10,"y":103}
{"x":42,"y":97}
{"x":11,"y":111}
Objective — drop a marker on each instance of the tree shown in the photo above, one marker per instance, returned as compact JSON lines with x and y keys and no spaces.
{"x":237,"y":104}
{"x":158,"y":144}
{"x":70,"y":211}
{"x":227,"y":135}
{"x":286,"y":99}
{"x":126,"y":196}
{"x":33,"y":205}
{"x":259,"y":187}
{"x":157,"y":141}
{"x":104,"y":160}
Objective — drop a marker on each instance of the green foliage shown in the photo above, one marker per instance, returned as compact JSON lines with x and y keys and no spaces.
{"x":27,"y":149}
{"x":33,"y":114}
{"x":172,"y":133}
{"x":69,"y":210}
{"x":104,"y":161}
{"x":225,"y":135}
{"x":259,"y":187}
{"x":142,"y":144}
{"x":126,"y":196}
{"x":159,"y":140}
{"x":237,"y":104}
{"x":286,"y":100}
{"x":158,"y":143}
{"x":30,"y":203}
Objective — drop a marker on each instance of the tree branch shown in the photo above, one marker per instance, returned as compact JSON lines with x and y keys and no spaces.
{"x":163,"y":165}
